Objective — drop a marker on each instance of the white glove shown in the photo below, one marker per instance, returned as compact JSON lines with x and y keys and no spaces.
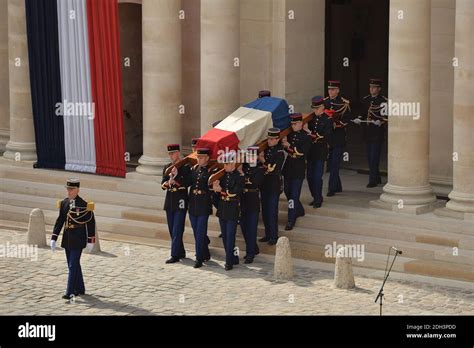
{"x":53,"y":245}
{"x":378,"y":123}
{"x":89,"y":247}
{"x":356,"y":121}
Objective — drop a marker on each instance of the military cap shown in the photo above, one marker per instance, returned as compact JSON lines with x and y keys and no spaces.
{"x":334,"y":84}
{"x":296,"y":117}
{"x":173,"y":147}
{"x":274,"y":133}
{"x":73,"y":183}
{"x":317,"y":101}
{"x":264,"y":93}
{"x":375,"y":83}
{"x":203,"y":151}
{"x":194,"y":142}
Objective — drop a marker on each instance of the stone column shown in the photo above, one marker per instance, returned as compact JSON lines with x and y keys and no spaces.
{"x":21,"y":146}
{"x":161,"y":32}
{"x":220,"y":44}
{"x":408,"y":189}
{"x":462,"y":196}
{"x":4,"y":94}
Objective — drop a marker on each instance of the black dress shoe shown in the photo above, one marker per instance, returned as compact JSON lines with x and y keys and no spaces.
{"x":67,"y":297}
{"x":207,"y":258}
{"x":228,"y":267}
{"x":79,"y":293}
{"x":317,"y":205}
{"x":198,"y":264}
{"x":272,"y":242}
{"x":264,"y":239}
{"x":371,"y":184}
{"x":172,"y":259}
{"x":248,"y":260}
{"x":330,"y":193}
{"x":312,"y":202}
{"x":289,"y":226}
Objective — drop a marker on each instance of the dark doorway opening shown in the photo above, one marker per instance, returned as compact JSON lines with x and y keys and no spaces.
{"x":357,"y":33}
{"x":130,"y":16}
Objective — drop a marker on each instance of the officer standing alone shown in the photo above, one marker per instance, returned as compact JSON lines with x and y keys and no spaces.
{"x":77,"y":217}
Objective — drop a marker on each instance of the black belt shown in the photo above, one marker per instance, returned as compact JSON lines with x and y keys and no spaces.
{"x":199,"y":192}
{"x":251,"y":190}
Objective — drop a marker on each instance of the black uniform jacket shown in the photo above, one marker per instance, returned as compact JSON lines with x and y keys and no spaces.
{"x":295,"y":163}
{"x":228,"y":206}
{"x":373,"y":111}
{"x":177,"y":193}
{"x":274,"y":158}
{"x":320,"y":128}
{"x":79,"y":224}
{"x":250,"y":201}
{"x":200,"y":196}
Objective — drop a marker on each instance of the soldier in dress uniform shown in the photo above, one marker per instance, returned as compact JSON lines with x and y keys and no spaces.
{"x":297,"y":145}
{"x":374,"y":133}
{"x":77,"y":217}
{"x":176,"y":202}
{"x":272,"y":162}
{"x":200,"y":205}
{"x":229,"y":189}
{"x":264,"y":93}
{"x":319,"y":129}
{"x":250,"y":202}
{"x":340,"y":114}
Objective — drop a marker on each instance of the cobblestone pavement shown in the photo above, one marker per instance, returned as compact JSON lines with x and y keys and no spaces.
{"x":130,"y":279}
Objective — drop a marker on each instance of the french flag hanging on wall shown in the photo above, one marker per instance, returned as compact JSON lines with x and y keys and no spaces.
{"x":76,"y":85}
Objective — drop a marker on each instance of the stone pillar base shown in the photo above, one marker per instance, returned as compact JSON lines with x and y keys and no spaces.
{"x":20,"y":151}
{"x":413,"y":209}
{"x":458,"y":215}
{"x":152,"y":166}
{"x":461,"y":202}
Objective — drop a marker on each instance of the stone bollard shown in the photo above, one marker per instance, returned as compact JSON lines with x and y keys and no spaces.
{"x":283,"y":262}
{"x":343,"y":275}
{"x":96,"y":248}
{"x":36,"y":229}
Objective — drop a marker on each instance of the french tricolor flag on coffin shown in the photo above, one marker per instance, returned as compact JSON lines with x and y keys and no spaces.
{"x":246,"y":126}
{"x":76,"y":86}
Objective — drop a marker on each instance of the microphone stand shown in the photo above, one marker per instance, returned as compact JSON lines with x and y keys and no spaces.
{"x":381,"y":294}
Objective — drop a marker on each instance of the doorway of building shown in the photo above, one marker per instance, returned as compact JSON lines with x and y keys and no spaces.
{"x":130,"y":16}
{"x":357,"y":50}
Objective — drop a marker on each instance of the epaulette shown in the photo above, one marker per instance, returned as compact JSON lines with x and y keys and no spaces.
{"x":58,"y":203}
{"x":90,"y":206}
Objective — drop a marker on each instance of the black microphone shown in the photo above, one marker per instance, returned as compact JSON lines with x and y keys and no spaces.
{"x":397,"y":251}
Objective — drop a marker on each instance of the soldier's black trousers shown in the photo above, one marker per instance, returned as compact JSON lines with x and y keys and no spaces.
{"x":373,"y":157}
{"x":335,"y":184}
{"x":249,"y":223}
{"x":270,"y":213}
{"x":75,"y":281}
{"x":176,"y":221}
{"x":292,"y":188}
{"x":199,"y":225}
{"x":315,"y":173}
{"x":228,"y":230}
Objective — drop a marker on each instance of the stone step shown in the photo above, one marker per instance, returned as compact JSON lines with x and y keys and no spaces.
{"x":98,"y":195}
{"x":89,"y":181}
{"x":311,"y":221}
{"x":158,"y":229}
{"x":301,"y":250}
